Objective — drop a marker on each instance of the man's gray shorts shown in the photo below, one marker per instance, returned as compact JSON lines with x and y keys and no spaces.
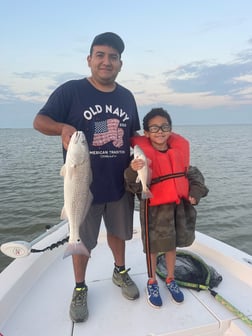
{"x":117,"y":217}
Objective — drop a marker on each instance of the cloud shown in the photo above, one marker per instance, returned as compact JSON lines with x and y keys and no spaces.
{"x":6,"y":94}
{"x":201,"y":85}
{"x":55,"y":77}
{"x":29,"y":75}
{"x":217,"y":78}
{"x":33,"y":86}
{"x":193,"y":90}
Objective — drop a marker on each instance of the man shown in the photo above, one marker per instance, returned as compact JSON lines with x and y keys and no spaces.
{"x":107,"y":114}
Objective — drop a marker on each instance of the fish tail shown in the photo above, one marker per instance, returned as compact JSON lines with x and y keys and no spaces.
{"x":146,"y":194}
{"x":76,"y":248}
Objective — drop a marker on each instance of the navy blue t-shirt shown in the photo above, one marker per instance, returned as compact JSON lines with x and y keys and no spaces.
{"x":108,"y":120}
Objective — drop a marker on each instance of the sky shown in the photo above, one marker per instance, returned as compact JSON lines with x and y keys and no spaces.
{"x":193,"y":58}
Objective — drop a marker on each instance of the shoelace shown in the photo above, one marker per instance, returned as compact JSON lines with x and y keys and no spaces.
{"x":174,"y":287}
{"x":79,"y":297}
{"x":154,"y":290}
{"x":126,"y":277}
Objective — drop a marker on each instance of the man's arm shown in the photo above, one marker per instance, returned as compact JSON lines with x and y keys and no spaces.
{"x":48,"y":126}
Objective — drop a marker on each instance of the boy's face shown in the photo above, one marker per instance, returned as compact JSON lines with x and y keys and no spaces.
{"x":158,"y":132}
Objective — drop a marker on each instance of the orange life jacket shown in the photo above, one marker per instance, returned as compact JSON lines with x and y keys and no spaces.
{"x":175,"y":160}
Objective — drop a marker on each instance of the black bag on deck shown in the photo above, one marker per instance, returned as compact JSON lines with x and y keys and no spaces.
{"x":190,"y":271}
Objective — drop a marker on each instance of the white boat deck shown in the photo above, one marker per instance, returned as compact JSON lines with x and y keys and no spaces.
{"x":38,"y":303}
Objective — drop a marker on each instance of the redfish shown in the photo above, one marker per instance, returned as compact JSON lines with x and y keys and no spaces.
{"x":77,"y":195}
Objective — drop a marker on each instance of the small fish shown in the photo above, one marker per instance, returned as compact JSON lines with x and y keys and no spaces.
{"x":143,"y":173}
{"x":77,"y":195}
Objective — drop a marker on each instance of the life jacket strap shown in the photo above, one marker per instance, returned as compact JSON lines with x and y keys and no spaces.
{"x":167,"y":177}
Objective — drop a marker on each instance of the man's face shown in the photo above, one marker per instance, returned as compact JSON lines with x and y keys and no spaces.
{"x":105,"y":64}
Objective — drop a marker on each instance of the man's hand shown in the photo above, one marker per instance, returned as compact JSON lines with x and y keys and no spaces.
{"x":67,"y":132}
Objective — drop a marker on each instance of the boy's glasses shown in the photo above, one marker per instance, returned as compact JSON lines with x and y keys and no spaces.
{"x":156,"y":128}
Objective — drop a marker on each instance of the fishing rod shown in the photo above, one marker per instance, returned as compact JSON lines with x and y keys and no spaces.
{"x":220,"y":299}
{"x":147,"y":238}
{"x":231,"y":308}
{"x":19,"y":249}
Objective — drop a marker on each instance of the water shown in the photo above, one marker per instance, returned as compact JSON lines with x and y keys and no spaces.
{"x":31,"y":188}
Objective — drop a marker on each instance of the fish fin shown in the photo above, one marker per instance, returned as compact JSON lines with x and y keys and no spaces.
{"x":63,"y":170}
{"x":146,"y":194}
{"x":63,"y":214}
{"x":76,"y":248}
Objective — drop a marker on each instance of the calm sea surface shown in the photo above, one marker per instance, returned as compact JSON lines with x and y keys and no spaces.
{"x":31,"y":188}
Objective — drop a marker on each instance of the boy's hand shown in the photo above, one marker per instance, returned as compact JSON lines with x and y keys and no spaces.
{"x":192,"y":200}
{"x":137,"y":164}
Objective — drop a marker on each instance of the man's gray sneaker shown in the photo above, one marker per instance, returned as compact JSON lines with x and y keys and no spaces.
{"x":123,"y":280}
{"x":78,"y":307}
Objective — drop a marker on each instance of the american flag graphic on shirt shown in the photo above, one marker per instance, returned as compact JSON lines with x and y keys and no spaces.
{"x":106,"y":131}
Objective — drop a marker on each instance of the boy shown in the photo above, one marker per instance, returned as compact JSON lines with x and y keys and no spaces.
{"x":168,"y":218}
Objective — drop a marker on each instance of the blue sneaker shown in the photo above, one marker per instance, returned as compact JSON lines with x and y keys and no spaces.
{"x":153,"y":296}
{"x":175,"y":291}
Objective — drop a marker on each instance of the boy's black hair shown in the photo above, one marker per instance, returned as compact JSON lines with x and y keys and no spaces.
{"x":159,"y":111}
